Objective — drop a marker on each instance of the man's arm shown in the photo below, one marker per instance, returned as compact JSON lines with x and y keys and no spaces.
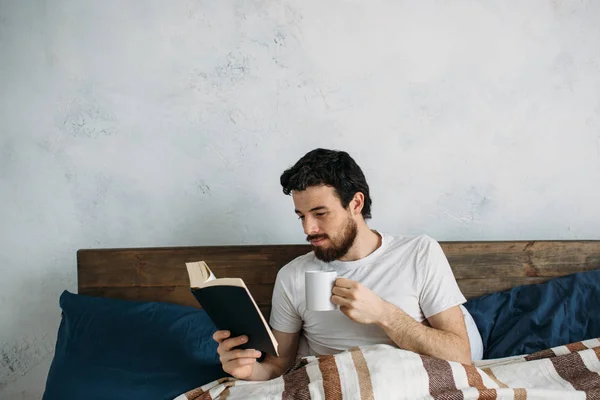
{"x":242,"y":364}
{"x":272,"y":367}
{"x":447,"y":337}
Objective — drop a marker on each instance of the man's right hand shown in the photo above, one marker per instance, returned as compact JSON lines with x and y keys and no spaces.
{"x":239,"y":363}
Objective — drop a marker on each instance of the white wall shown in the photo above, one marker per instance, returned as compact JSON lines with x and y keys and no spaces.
{"x":155,"y":123}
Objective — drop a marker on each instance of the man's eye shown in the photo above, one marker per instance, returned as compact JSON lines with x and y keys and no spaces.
{"x":320,"y":214}
{"x":300,"y":216}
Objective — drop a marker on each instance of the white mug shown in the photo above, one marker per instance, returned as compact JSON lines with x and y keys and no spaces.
{"x":318,"y":290}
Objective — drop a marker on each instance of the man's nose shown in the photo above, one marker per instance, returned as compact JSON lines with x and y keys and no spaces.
{"x":310,"y":226}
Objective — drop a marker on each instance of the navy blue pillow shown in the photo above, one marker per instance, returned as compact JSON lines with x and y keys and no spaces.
{"x":529,"y":318}
{"x":118,"y":349}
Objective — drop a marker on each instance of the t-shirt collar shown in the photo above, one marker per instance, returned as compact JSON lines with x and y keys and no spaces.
{"x":338,"y":265}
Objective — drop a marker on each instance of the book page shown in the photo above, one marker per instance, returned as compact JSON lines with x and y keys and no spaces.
{"x":211,"y":276}
{"x":275,"y":343}
{"x":199,"y":273}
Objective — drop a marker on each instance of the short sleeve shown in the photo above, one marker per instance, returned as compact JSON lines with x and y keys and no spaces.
{"x":284,"y":314}
{"x":439,"y":289}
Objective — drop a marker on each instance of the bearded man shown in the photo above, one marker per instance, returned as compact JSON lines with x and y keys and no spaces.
{"x":390,"y":289}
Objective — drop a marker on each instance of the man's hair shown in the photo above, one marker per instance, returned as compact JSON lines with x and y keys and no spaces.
{"x":332,"y":168}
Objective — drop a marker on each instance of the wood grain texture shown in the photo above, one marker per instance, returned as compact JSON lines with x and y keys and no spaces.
{"x":160,"y":273}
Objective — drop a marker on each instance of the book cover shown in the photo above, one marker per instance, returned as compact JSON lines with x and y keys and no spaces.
{"x":230,"y":306}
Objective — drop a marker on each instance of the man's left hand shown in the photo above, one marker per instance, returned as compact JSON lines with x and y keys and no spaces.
{"x":358,"y":302}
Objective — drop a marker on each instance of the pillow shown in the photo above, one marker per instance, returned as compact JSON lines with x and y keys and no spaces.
{"x":530,"y":318}
{"x":118,"y":349}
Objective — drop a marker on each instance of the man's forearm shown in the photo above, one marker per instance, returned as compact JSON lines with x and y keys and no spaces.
{"x":270,"y":368}
{"x":411,"y":335}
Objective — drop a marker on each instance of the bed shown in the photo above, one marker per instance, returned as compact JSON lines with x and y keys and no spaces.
{"x":136,"y":324}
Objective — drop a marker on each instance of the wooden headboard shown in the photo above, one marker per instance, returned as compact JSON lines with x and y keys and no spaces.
{"x":159,"y":274}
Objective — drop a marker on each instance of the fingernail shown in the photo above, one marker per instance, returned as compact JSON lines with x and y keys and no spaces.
{"x":244,"y":338}
{"x":258,"y":354}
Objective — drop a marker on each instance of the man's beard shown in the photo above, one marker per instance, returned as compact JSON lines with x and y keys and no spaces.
{"x":339,"y":245}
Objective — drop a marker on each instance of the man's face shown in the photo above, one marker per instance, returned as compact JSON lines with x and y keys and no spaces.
{"x":329,"y":227}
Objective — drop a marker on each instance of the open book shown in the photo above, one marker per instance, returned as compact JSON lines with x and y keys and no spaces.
{"x":230,"y":306}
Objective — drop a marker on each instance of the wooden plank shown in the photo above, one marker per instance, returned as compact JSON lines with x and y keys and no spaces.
{"x":160,"y":266}
{"x":521,"y":259}
{"x":160,"y":274}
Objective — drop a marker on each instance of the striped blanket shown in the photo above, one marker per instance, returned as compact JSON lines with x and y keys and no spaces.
{"x":385,"y":372}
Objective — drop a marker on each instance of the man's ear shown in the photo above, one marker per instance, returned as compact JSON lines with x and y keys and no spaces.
{"x":357,"y":203}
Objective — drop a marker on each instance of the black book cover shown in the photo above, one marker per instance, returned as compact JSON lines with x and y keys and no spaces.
{"x":231,"y":308}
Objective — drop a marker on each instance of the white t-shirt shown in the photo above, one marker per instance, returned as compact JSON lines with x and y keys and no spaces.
{"x":412,"y":273}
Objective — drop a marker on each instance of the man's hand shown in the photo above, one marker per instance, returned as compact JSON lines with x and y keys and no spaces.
{"x":236,"y":362}
{"x":357,"y":301}
{"x":446,"y":338}
{"x":242,"y":364}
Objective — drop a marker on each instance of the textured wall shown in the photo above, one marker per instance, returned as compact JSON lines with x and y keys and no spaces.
{"x":148,"y":123}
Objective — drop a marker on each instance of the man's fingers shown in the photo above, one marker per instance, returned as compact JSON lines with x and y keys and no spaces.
{"x":345,"y":283}
{"x":341,"y":301}
{"x":240,"y":354}
{"x":239,"y":362}
{"x":226,"y":345}
{"x":219,"y":336}
{"x":343,"y":292}
{"x":234,"y":342}
{"x":338,"y":290}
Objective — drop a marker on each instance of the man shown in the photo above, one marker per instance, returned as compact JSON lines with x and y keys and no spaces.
{"x":390,"y":289}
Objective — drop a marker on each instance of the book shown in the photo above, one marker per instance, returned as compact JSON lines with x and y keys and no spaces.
{"x":231,"y":307}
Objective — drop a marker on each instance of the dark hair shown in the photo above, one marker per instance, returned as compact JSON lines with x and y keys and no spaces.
{"x":332,"y":168}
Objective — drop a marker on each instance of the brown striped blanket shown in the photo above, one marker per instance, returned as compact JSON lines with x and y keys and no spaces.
{"x":385,"y":372}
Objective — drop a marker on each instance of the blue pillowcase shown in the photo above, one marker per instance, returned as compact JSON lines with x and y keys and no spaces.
{"x":529,"y":318}
{"x":118,"y":349}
